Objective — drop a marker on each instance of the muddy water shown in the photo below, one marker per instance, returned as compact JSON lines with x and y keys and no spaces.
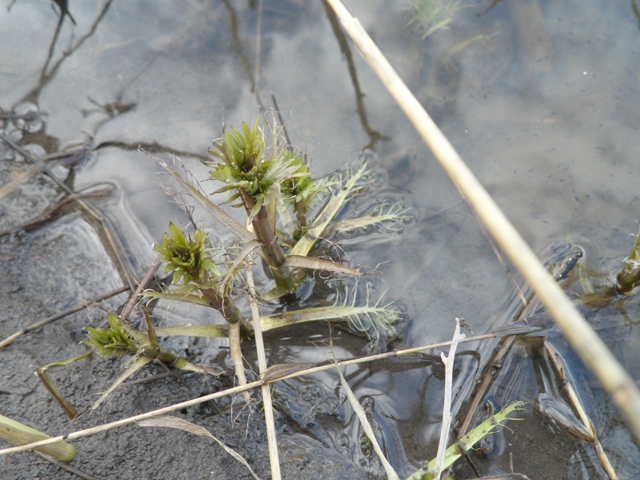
{"x":540,"y":100}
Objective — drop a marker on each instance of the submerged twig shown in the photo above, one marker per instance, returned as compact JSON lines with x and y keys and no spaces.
{"x":113,"y":243}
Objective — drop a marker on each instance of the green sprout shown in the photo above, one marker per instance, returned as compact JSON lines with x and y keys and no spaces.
{"x":187,"y":258}
{"x":112,"y":341}
{"x":244,"y":169}
{"x":256,"y":181}
{"x":194,"y":272}
{"x":120,"y":338}
{"x":629,"y":277}
{"x":300,"y":190}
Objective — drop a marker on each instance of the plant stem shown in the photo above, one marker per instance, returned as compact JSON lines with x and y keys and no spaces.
{"x":271,"y":249}
{"x":236,"y":356}
{"x":301,"y":217}
{"x":224,"y":304}
{"x":266,"y":389}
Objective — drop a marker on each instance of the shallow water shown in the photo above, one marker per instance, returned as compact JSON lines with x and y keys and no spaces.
{"x":546,"y":117}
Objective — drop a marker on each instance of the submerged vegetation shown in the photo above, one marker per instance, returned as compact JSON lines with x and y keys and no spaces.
{"x":429,"y":16}
{"x":289,"y":213}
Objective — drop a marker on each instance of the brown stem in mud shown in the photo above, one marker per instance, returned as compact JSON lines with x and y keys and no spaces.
{"x":271,"y":249}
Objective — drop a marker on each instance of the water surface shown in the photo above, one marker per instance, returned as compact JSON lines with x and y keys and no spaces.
{"x":544,"y":112}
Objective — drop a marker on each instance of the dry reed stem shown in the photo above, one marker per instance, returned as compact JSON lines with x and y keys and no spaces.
{"x":274,"y":459}
{"x":583,"y":339}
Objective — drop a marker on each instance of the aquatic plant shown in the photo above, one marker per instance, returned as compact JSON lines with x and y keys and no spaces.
{"x":272,"y":182}
{"x":263,"y":177}
{"x":256,"y":181}
{"x":429,"y":16}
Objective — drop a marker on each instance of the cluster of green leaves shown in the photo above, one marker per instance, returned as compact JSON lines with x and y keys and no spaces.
{"x":240,"y":151}
{"x":186,"y":257}
{"x":629,"y":277}
{"x":243,"y":167}
{"x":267,"y":177}
{"x":111,"y":341}
{"x":300,"y":189}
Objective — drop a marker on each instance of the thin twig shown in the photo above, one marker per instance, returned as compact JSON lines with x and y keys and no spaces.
{"x":592,"y":350}
{"x":66,"y":467}
{"x":446,"y":407}
{"x":141,"y":286}
{"x":256,"y":74}
{"x":58,"y":316}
